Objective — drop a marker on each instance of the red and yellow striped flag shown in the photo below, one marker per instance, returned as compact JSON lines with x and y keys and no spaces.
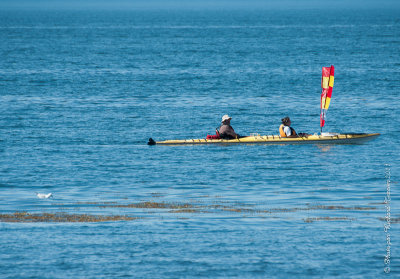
{"x":327,"y":85}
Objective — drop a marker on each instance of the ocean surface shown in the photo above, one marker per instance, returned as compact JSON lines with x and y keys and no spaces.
{"x":81,"y":91}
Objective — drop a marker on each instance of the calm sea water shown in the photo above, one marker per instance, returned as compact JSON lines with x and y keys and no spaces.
{"x":82,"y":91}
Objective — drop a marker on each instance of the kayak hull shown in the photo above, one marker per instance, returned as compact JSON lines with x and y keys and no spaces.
{"x":274,"y":139}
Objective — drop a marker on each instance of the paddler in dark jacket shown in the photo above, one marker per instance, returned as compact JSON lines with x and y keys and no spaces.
{"x":225,"y":130}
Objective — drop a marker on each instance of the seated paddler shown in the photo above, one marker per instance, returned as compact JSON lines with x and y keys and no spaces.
{"x":225,"y":131}
{"x":285,"y":131}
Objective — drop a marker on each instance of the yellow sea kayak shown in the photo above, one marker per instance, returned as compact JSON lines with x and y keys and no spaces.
{"x":325,"y":138}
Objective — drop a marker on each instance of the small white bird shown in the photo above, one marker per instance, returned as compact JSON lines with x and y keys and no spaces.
{"x":44,"y":196}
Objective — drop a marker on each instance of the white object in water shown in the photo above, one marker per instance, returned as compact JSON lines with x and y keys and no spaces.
{"x":44,"y":196}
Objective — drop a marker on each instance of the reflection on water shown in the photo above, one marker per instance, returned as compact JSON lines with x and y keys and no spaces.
{"x":325,"y":147}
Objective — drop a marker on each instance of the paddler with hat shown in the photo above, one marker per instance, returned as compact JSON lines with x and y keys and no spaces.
{"x":226,"y":131}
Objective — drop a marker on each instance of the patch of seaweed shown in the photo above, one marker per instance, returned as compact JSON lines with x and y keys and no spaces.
{"x":237,"y":207}
{"x":157,"y":195}
{"x":392,"y":220}
{"x":395,"y":220}
{"x":220,"y":205}
{"x":339,"y":207}
{"x":25,"y":217}
{"x":313,"y":219}
{"x":186,"y":210}
{"x":232,"y":208}
{"x":161,"y":205}
{"x":294,"y":209}
{"x":190,"y":207}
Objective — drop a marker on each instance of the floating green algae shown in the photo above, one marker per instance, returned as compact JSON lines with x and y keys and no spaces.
{"x":391,"y":220}
{"x":193,"y":207}
{"x":25,"y":217}
{"x":326,"y":218}
{"x":149,"y":204}
{"x":187,"y":210}
{"x":187,"y":207}
{"x":339,"y":207}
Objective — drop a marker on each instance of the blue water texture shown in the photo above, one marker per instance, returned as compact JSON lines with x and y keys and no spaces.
{"x":81,"y":91}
